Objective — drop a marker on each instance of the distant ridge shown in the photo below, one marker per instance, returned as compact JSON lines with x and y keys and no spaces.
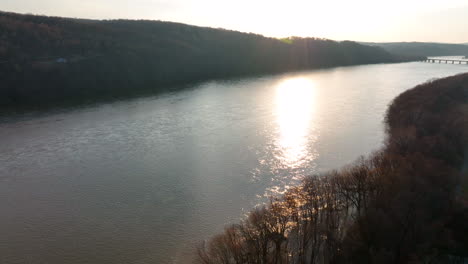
{"x":423,"y":48}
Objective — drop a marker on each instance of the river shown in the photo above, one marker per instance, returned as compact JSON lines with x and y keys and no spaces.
{"x":144,"y":180}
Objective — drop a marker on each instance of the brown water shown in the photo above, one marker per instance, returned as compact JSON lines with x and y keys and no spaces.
{"x":144,"y":180}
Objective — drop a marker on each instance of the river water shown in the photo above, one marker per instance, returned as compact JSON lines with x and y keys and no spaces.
{"x":145,"y":180}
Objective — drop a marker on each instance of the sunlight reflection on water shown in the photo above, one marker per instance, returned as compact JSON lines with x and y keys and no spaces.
{"x":295,"y":101}
{"x":146,"y":180}
{"x":294,"y":110}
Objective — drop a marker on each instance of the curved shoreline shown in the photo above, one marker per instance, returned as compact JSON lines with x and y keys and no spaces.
{"x":396,"y":206}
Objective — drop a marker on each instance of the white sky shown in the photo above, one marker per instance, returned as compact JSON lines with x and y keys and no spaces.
{"x":361,"y":20}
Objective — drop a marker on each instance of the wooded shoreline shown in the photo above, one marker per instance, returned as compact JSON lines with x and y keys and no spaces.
{"x":402,"y":204}
{"x":51,"y":61}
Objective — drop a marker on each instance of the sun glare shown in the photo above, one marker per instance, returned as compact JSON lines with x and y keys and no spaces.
{"x":294,"y":109}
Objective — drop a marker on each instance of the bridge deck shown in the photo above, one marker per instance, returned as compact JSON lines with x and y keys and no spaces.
{"x":447,"y":60}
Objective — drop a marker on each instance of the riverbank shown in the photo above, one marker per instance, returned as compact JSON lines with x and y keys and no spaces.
{"x":402,"y":204}
{"x":50,"y":61}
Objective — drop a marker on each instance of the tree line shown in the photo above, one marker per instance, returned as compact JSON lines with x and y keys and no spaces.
{"x":407,"y":203}
{"x":49,"y":60}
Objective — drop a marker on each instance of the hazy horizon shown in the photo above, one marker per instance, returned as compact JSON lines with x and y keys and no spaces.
{"x":363,"y":20}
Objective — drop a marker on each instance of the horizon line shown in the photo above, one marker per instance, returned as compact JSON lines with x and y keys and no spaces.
{"x":222,"y":28}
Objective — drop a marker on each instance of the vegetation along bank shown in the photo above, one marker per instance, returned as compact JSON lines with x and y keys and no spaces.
{"x":407,"y":203}
{"x":48,"y":61}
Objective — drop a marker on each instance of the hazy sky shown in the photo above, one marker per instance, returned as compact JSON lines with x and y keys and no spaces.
{"x":362,"y":20}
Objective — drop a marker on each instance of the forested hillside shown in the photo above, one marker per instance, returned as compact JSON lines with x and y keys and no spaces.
{"x":45,"y":61}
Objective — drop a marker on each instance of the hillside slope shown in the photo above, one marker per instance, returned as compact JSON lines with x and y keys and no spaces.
{"x":48,"y":60}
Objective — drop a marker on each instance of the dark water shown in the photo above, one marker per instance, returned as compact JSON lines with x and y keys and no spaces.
{"x":142,"y":181}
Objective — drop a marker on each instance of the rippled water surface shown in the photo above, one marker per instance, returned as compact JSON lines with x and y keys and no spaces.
{"x":144,"y":180}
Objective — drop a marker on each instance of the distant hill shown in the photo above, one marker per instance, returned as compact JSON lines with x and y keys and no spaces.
{"x":423,"y":48}
{"x":49,"y":60}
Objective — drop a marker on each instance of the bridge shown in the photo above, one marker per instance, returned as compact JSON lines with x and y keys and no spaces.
{"x":447,"y":60}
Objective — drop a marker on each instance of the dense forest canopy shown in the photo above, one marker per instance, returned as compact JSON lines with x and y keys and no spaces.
{"x":50,"y":60}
